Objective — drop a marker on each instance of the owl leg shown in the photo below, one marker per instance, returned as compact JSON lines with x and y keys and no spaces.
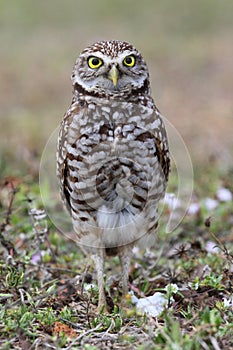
{"x":125,"y":266}
{"x":99,"y":264}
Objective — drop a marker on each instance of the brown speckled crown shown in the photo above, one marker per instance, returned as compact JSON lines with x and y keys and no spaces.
{"x":110,"y":48}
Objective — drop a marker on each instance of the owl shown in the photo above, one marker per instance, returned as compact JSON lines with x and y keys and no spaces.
{"x":112,"y":156}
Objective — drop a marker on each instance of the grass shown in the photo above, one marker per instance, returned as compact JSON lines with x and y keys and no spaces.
{"x":44,"y":279}
{"x":48,"y":288}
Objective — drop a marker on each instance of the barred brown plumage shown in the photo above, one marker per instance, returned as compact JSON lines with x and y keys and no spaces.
{"x":113,"y":157}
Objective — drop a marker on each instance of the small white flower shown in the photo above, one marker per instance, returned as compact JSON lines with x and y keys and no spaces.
{"x":193,"y":208}
{"x":228,"y":303}
{"x":135,"y":250}
{"x":211,"y":204}
{"x":36,"y":257}
{"x":206,"y":271}
{"x":171,"y":288}
{"x":172,"y":201}
{"x":89,"y":286}
{"x":211,"y":247}
{"x":224,"y":195}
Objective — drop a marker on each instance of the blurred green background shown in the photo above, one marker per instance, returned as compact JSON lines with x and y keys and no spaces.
{"x":187,"y":45}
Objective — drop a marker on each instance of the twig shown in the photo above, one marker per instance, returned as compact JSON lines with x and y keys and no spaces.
{"x":214,"y":343}
{"x":87,"y":267}
{"x":112,"y":324}
{"x":164,"y":334}
{"x":223,"y":248}
{"x":59,"y":269}
{"x":69,"y":323}
{"x":83,"y":335}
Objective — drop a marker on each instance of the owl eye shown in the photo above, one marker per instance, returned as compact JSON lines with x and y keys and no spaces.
{"x":129,"y":61}
{"x":94,"y":62}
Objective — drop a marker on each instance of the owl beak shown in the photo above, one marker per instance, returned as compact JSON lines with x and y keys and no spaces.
{"x":113,"y":75}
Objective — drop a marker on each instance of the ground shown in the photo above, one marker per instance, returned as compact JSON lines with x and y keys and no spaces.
{"x":48,"y":285}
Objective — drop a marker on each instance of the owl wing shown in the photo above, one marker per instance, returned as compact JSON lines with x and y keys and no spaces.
{"x":63,"y":155}
{"x":162,"y":153}
{"x":162,"y":148}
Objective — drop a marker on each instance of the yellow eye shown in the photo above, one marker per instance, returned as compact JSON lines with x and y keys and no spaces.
{"x":129,"y":61}
{"x":94,"y":62}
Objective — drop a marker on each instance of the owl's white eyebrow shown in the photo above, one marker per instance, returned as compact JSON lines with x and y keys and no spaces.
{"x":107,"y":59}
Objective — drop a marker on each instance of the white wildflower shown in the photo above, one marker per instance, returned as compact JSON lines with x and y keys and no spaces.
{"x":89,"y":286}
{"x":211,"y":247}
{"x":135,"y":250}
{"x":211,"y":204}
{"x":171,"y":201}
{"x":228,"y":303}
{"x":171,"y":288}
{"x":224,"y":195}
{"x":193,"y":208}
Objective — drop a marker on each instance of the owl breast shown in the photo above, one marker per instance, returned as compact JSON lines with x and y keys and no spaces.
{"x":113,"y":174}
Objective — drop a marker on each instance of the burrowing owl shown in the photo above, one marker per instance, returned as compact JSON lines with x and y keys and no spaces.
{"x":113,"y":157}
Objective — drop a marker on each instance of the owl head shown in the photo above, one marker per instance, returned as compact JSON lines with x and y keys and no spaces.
{"x":110,"y":68}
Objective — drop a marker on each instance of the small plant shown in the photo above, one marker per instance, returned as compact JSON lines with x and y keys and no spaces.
{"x":211,"y":281}
{"x":14,"y":277}
{"x":211,"y":316}
{"x":111,"y":322}
{"x":67,"y":314}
